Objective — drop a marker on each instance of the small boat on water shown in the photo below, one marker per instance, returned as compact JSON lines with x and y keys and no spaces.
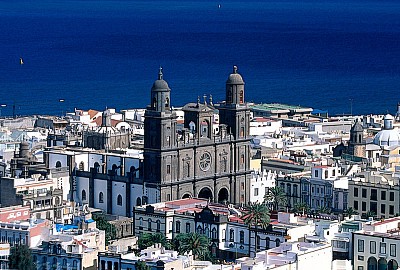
{"x":21,"y":61}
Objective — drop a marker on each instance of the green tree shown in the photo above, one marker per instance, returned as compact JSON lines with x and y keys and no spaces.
{"x":198,"y":244}
{"x":103,"y":224}
{"x":350,"y":211}
{"x":141,"y":265}
{"x":323,"y":210}
{"x":257,"y":215}
{"x":21,"y":258}
{"x":147,"y":240}
{"x":302,"y":207}
{"x":371,"y":214}
{"x":276,"y":197}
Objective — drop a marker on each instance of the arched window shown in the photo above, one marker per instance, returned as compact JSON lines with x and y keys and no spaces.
{"x":101,"y":197}
{"x":326,"y":174}
{"x":83,"y":195}
{"x":241,"y":98}
{"x":138,"y":201}
{"x":229,"y":99}
{"x":267,"y":243}
{"x":360,"y":138}
{"x":119,"y":200}
{"x":187,"y":227}
{"x":81,"y":166}
{"x":214,"y":233}
{"x":64,"y":262}
{"x":277,"y":242}
{"x":154,"y":102}
{"x":223,"y":164}
{"x":133,"y":171}
{"x":149,"y":224}
{"x":241,"y":237}
{"x":199,"y":230}
{"x":187,"y":168}
{"x":231,"y":235}
{"x":57,"y":201}
{"x":140,"y":221}
{"x":178,"y":227}
{"x":114,"y":168}
{"x":158,"y":225}
{"x":58,"y":164}
{"x":166,"y":102}
{"x":96,"y":166}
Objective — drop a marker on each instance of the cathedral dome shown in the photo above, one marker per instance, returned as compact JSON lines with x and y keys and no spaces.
{"x":160,"y":84}
{"x":387,"y":137}
{"x":235,"y":78}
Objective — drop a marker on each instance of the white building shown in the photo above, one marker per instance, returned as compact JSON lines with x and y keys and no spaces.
{"x":377,"y":246}
{"x":291,"y":256}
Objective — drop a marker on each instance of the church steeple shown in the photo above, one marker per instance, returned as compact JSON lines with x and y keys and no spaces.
{"x":160,"y":94}
{"x":235,"y":88}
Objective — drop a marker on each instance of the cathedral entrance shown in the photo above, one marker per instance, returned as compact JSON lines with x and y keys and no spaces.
{"x":186,"y":196}
{"x":223,"y":195}
{"x":205,"y":193}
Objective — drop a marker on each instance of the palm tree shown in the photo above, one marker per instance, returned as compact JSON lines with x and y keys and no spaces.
{"x":147,"y":240}
{"x":275,"y":196}
{"x":198,"y":244}
{"x":323,"y":210}
{"x":370,"y":214}
{"x":256,"y":215}
{"x":350,"y":211}
{"x":302,"y":207}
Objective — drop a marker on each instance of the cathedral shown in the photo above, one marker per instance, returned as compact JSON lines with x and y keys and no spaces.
{"x":198,"y":160}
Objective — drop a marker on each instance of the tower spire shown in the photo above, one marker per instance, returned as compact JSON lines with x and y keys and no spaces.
{"x":160,"y":74}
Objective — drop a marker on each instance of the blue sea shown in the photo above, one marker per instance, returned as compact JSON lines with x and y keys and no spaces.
{"x":341,"y":56}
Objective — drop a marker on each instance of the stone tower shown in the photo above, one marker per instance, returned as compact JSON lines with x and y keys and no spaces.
{"x":357,"y":143}
{"x":160,"y":134}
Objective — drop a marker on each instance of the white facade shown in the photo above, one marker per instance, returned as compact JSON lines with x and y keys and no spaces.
{"x":260,"y":183}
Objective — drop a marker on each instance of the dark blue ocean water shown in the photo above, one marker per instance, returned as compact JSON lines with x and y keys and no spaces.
{"x":333,"y":55}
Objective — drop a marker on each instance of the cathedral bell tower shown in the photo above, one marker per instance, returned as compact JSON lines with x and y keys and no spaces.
{"x":160,"y":138}
{"x":234,"y":112}
{"x":357,"y":143}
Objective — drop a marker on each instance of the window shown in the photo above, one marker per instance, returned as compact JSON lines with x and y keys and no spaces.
{"x":382,"y":249}
{"x":101,"y":197}
{"x":119,"y":200}
{"x":258,"y":242}
{"x":277,"y":242}
{"x":383,"y":195}
{"x":242,"y":159}
{"x":178,"y":227}
{"x":231,"y":235}
{"x":364,"y":193}
{"x":256,"y":192}
{"x":326,"y":174}
{"x":383,"y":208}
{"x":372,"y":247}
{"x":241,"y":99}
{"x":363,"y":206}
{"x":214,"y":233}
{"x":374,"y":194}
{"x":168,"y":169}
{"x":241,"y":237}
{"x":356,"y":205}
{"x":393,"y":250}
{"x":158,"y":225}
{"x":81,"y":166}
{"x":83,"y":195}
{"x":391,"y":196}
{"x":355,"y":192}
{"x":333,"y":172}
{"x":58,"y":164}
{"x":360,"y":267}
{"x":391,"y":209}
{"x":316,"y":173}
{"x":149,"y":224}
{"x":187,"y":227}
{"x":267,"y":242}
{"x":360,"y":245}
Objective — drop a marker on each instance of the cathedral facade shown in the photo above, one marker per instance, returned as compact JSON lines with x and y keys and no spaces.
{"x":198,"y":160}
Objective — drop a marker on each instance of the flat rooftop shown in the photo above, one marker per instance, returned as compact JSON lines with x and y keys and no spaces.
{"x":280,"y":107}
